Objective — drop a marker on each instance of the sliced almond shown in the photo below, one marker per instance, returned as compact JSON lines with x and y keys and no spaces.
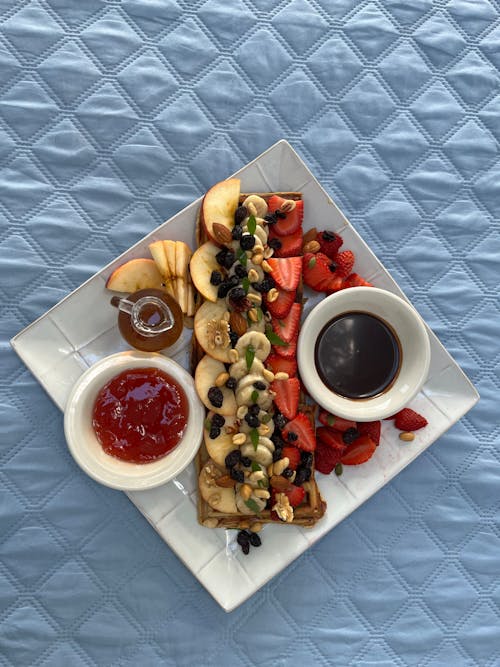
{"x":279,"y":483}
{"x":238,"y":323}
{"x":310,"y":235}
{"x":225,"y":481}
{"x":221,"y":233}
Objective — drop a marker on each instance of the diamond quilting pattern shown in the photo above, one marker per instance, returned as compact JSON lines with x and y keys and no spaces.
{"x":110,"y":113}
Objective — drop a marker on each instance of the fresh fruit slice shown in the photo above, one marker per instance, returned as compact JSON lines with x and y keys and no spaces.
{"x":329,"y":243}
{"x":212,"y":330}
{"x":331,"y":438}
{"x":287,"y":396}
{"x":220,"y":204}
{"x":218,"y":448}
{"x":360,"y":451}
{"x":218,"y":497}
{"x":288,"y":351}
{"x":281,"y":306}
{"x":253,"y":344}
{"x":202,"y":264}
{"x":278,"y":364}
{"x":134,"y":275}
{"x":316,"y":271}
{"x":287,"y":328}
{"x":157,"y":251}
{"x":337,"y":423}
{"x":344,"y":261}
{"x":182,"y":257}
{"x":295,"y":494}
{"x":286,"y":272}
{"x":292,"y":220}
{"x":370,"y":428}
{"x":335,"y":284}
{"x":326,"y":458}
{"x":259,"y":203}
{"x":205,"y":375}
{"x":293,"y":456}
{"x":409,"y":420}
{"x":355,"y":280}
{"x":301,"y":427}
{"x":291,"y":245}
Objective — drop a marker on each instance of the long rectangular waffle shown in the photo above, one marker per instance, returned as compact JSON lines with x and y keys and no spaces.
{"x":215,"y":473}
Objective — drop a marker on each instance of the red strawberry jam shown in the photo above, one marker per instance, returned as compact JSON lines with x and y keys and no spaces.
{"x":140,"y":415}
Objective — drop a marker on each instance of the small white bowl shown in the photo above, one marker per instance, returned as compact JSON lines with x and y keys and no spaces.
{"x":415,"y":347}
{"x":85,"y":447}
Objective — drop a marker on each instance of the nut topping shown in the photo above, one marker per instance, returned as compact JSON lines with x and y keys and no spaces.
{"x":218,"y":334}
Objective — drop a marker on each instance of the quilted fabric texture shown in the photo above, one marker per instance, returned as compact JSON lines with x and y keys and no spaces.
{"x":113,"y":116}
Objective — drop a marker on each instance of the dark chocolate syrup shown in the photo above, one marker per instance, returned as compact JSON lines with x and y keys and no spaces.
{"x":357,"y":355}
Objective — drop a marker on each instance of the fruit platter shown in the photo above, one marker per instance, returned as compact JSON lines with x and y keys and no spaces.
{"x":275,"y":472}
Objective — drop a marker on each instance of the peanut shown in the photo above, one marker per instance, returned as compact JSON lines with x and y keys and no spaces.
{"x":407,"y":436}
{"x":221,"y":379}
{"x":245,"y":491}
{"x":272,"y":295}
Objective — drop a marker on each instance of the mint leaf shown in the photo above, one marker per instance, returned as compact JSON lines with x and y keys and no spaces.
{"x":249,"y":356}
{"x":260,"y":314}
{"x":252,"y":224}
{"x":331,"y":420}
{"x":208,"y":424}
{"x":274,"y":339}
{"x":242,"y":256}
{"x":254,"y":397}
{"x":252,"y":505}
{"x":266,"y":418}
{"x":254,"y":437}
{"x":245,"y":283}
{"x":255,"y":466}
{"x":312,"y":263}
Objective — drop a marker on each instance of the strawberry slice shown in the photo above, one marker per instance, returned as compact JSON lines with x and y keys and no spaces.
{"x":355,"y":280}
{"x":292,"y":220}
{"x":278,"y":364}
{"x":409,"y":420}
{"x":286,"y":272}
{"x":291,"y":245}
{"x":337,"y":423}
{"x":300,"y":432}
{"x":326,"y":458}
{"x":371,"y":429}
{"x":329,"y":243}
{"x":281,"y":307}
{"x":316,"y":271}
{"x":289,"y":351}
{"x":360,"y":451}
{"x":335,"y":284}
{"x":287,"y":396}
{"x":295,"y":494}
{"x":344,"y":261}
{"x":331,"y":438}
{"x":288,"y":327}
{"x":293,"y":455}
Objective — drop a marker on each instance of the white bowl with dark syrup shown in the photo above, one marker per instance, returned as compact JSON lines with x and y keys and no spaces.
{"x":363,"y":353}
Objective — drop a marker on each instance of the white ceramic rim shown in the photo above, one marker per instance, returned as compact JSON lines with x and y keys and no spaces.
{"x":106,"y":469}
{"x":373,"y":300}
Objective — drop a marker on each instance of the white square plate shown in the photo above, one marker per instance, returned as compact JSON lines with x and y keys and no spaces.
{"x":71,"y":342}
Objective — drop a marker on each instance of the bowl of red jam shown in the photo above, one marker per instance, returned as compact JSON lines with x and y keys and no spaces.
{"x":363,"y":353}
{"x":133,"y":420}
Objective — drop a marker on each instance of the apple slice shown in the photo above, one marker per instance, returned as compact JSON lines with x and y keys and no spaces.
{"x":202,"y":264}
{"x":219,"y":206}
{"x":209,"y":317}
{"x":218,"y":448}
{"x":205,"y":375}
{"x":158,"y":252}
{"x":134,"y":275}
{"x":222,"y":499}
{"x":182,"y":257}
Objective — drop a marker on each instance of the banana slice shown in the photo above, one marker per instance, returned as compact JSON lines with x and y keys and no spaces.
{"x":262,"y":454}
{"x":222,"y":499}
{"x":259,"y":203}
{"x":202,"y":264}
{"x":205,"y":375}
{"x":245,"y":396}
{"x":257,"y":326}
{"x":259,"y":342}
{"x":260,"y":234}
{"x":243,"y":507}
{"x":239,"y":369}
{"x":212,"y":330}
{"x":249,"y":380}
{"x":266,"y":442}
{"x":218,"y":448}
{"x":245,"y":428}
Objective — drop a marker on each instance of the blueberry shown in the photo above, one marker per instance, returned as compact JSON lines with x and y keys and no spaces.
{"x":247,"y":241}
{"x":240,"y":214}
{"x":254,"y":409}
{"x":231,"y":383}
{"x":287,"y":472}
{"x":240,"y":271}
{"x":279,"y":214}
{"x":292,"y":437}
{"x":280,"y":420}
{"x":300,"y":476}
{"x":224,"y":288}
{"x":306,"y":459}
{"x":225,"y":258}
{"x":255,"y":540}
{"x":246,"y":462}
{"x":243,"y":538}
{"x":245,"y":548}
{"x":233,"y":337}
{"x":218,"y":420}
{"x":277,"y":453}
{"x":329,"y":236}
{"x":237,"y":475}
{"x":237,"y":293}
{"x":232,"y":458}
{"x":252,"y":420}
{"x":271,"y":218}
{"x":350,"y":435}
{"x":236,"y":232}
{"x":214,"y":432}
{"x":215,"y":397}
{"x":275,"y":244}
{"x":259,"y":385}
{"x":332,"y":267}
{"x":216,"y":278}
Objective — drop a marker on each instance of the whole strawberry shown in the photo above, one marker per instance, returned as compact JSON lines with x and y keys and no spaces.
{"x":344,"y":262}
{"x":409,"y":420}
{"x":329,"y":243}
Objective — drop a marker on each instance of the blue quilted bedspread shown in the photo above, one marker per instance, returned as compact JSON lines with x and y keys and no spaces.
{"x":116,"y":114}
